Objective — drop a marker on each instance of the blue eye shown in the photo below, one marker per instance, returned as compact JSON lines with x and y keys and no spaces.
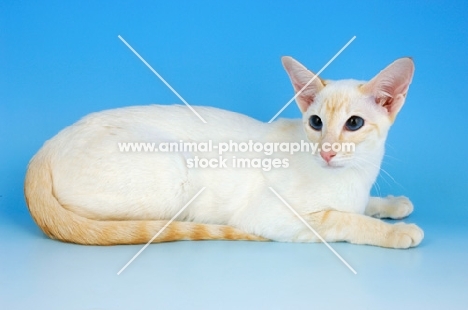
{"x":315,"y":122}
{"x":354,"y":123}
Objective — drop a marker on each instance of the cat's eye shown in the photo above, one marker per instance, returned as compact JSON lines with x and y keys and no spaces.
{"x":354,"y":123}
{"x":315,"y":122}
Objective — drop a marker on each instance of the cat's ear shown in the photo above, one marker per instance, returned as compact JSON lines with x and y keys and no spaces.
{"x":390,"y":86}
{"x":300,"y":78}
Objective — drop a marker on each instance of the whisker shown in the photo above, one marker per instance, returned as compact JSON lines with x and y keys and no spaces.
{"x":393,"y":157}
{"x":367,"y":162}
{"x":381,"y":169}
{"x":375,"y":184}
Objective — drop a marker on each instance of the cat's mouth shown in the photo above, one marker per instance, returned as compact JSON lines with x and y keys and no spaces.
{"x":331,"y":164}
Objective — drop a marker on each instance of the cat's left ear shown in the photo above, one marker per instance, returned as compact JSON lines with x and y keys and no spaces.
{"x":390,"y":86}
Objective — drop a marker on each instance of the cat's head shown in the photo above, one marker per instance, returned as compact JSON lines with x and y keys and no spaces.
{"x":350,"y":111}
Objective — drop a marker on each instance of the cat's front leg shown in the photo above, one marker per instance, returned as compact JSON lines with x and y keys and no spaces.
{"x":389,"y":207}
{"x":361,"y":229}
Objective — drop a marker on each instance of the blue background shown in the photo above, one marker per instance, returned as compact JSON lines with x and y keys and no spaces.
{"x":62,"y":60}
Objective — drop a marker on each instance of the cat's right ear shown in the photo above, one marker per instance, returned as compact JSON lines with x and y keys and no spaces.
{"x":303,"y":81}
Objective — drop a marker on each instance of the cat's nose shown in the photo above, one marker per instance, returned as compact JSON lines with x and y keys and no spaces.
{"x":327,"y":156}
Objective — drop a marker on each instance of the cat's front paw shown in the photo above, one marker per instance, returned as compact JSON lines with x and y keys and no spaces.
{"x":398,"y":207}
{"x":403,"y":236}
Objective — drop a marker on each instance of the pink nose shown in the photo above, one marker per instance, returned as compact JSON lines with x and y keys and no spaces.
{"x":327,"y":156}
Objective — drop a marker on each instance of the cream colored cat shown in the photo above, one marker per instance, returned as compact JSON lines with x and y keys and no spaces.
{"x":81,"y":188}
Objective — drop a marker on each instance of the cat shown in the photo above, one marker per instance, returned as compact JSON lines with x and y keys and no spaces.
{"x":81,"y":188}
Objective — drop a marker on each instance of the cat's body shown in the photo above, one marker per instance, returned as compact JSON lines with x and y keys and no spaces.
{"x":81,"y":188}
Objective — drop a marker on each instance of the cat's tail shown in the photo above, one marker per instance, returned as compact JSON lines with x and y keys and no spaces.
{"x":65,"y":225}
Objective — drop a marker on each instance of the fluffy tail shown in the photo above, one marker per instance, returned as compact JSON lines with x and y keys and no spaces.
{"x":64,"y":225}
